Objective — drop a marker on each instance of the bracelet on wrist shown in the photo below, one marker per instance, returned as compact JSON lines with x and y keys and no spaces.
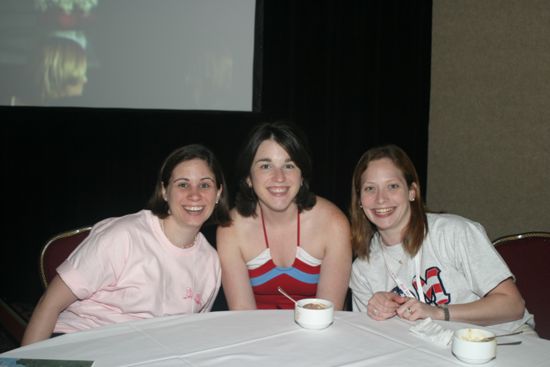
{"x":446,"y":312}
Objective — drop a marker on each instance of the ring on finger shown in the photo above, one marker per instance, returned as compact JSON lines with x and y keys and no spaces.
{"x":409,"y":310}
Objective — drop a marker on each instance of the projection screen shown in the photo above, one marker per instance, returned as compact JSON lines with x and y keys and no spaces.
{"x":155,"y":54}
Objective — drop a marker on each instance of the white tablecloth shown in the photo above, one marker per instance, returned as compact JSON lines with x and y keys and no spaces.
{"x":267,"y":338}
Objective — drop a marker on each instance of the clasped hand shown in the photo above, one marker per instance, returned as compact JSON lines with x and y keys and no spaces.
{"x":384,"y":305}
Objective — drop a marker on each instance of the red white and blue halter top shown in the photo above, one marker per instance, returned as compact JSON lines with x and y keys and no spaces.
{"x":299,"y":280}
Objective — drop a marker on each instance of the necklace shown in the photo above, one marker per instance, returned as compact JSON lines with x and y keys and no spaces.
{"x":400,"y":260}
{"x":166,"y":234}
{"x":386,"y":251}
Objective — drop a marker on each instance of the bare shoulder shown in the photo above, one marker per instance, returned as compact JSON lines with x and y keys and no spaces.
{"x":237,"y":232}
{"x":326,"y":214}
{"x":326,"y":210}
{"x":327,"y":230}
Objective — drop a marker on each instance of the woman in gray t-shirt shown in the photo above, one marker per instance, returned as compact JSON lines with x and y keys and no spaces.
{"x":417,"y":265}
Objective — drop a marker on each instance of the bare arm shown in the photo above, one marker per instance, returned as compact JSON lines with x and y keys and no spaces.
{"x":502,"y":304}
{"x":57,"y":297}
{"x":336,"y":266}
{"x":235,"y":279}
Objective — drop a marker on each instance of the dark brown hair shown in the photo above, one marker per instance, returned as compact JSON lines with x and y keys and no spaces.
{"x":159,"y":206}
{"x":291,"y":140}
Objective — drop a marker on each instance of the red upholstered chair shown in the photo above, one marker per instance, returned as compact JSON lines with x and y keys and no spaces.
{"x":527,"y":255}
{"x":15,"y":316}
{"x":58,"y":249}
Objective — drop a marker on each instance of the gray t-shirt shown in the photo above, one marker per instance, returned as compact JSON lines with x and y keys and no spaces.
{"x":458,"y":264}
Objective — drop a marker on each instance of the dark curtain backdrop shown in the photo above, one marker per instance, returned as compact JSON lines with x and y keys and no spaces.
{"x":351,"y":74}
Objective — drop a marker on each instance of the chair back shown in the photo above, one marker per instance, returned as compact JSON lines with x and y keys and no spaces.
{"x":57,"y":249}
{"x":527,"y":255}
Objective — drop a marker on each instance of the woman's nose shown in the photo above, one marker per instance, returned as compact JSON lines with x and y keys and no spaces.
{"x":193,"y":193}
{"x":278,"y":174}
{"x":381,"y":196}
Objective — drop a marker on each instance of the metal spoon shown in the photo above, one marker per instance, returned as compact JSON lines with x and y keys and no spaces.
{"x":489,"y":338}
{"x":286,"y":294}
{"x":510,"y":343}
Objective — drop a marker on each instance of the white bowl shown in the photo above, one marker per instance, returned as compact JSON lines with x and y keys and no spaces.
{"x":469,"y":347}
{"x":314,"y":313}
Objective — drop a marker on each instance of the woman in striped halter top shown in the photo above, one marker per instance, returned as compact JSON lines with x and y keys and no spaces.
{"x":282,"y":235}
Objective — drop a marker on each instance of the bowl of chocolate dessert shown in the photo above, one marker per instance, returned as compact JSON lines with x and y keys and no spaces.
{"x":314,"y":313}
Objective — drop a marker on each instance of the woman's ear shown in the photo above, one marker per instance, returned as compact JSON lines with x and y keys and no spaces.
{"x":219,"y":194}
{"x":164,"y":193}
{"x":412,"y":192}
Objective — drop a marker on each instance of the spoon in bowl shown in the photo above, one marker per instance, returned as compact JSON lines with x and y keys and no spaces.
{"x":497,"y":336}
{"x":510,"y":343}
{"x":286,"y":294}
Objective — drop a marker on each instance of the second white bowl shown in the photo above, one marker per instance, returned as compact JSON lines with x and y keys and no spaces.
{"x":469,"y":347}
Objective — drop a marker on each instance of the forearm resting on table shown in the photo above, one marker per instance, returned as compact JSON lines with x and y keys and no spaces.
{"x":334,"y":290}
{"x":241,"y":304}
{"x":337,"y":300}
{"x":41,"y":324}
{"x":238,"y":292}
{"x":502,"y":304}
{"x":336,"y":269}
{"x":57,"y":297}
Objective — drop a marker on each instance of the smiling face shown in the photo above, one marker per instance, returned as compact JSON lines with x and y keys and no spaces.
{"x":274,"y":176}
{"x":385,"y":198}
{"x":76,"y":86}
{"x":191,"y":193}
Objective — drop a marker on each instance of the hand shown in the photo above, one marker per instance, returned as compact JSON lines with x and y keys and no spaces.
{"x":384,"y":305}
{"x":413,"y":310}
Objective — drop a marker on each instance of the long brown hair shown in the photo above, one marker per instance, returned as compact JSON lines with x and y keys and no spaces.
{"x":362,"y":229}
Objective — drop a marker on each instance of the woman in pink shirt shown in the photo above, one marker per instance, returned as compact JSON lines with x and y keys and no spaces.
{"x":152,"y":263}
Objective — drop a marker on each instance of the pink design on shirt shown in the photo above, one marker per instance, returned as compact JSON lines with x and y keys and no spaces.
{"x":188,"y":293}
{"x":198,"y":299}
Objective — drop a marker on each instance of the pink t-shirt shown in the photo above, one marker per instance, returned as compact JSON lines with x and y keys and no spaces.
{"x":127,"y":269}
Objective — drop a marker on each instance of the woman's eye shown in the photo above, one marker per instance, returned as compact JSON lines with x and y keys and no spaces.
{"x":290,"y":166}
{"x":393,"y":186}
{"x":264,"y":166}
{"x":205,"y":185}
{"x":368,"y":189}
{"x":183,"y":185}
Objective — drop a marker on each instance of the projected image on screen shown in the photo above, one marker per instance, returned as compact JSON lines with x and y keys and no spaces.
{"x":162,"y":54}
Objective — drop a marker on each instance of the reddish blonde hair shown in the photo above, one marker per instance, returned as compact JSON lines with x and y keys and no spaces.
{"x":362,"y":229}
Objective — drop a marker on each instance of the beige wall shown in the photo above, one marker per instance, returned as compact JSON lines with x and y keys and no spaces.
{"x":489,"y":145}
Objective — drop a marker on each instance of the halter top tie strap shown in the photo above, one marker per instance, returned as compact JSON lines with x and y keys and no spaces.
{"x":265,"y":231}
